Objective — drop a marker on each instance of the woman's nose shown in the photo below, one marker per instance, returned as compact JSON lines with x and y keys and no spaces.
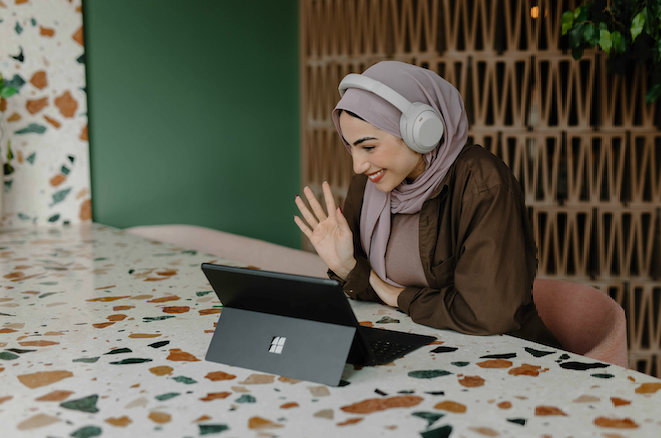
{"x":360,"y":165}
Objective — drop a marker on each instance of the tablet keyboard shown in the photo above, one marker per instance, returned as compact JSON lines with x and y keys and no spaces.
{"x":386,"y":351}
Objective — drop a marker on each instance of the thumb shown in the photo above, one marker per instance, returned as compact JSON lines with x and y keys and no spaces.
{"x":341,"y":219}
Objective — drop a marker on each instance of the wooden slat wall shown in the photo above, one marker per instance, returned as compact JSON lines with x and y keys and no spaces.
{"x":583,"y":143}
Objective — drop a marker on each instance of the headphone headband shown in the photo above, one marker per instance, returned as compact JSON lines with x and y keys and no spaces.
{"x":353,"y":80}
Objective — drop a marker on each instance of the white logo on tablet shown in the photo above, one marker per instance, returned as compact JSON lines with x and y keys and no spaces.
{"x":277,"y":343}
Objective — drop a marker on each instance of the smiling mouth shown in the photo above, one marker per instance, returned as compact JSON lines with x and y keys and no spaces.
{"x":376,"y":176}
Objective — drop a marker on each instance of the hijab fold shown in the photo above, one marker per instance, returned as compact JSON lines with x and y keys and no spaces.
{"x":417,"y":85}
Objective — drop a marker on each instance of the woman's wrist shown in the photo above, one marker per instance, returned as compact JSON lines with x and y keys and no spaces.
{"x":344,"y":271}
{"x":387,"y":292}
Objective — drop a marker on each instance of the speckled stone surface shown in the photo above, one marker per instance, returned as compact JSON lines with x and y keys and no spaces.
{"x":104,"y":334}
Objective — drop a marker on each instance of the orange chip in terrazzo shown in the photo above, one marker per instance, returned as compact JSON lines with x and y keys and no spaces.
{"x":216,"y":395}
{"x":178,"y":355}
{"x":619,"y":401}
{"x":118,"y":317}
{"x":38,"y":343}
{"x":175,"y":309}
{"x":381,"y":404}
{"x":648,"y":388}
{"x":350,"y":421}
{"x":160,"y":417}
{"x":495,"y":363}
{"x":55,"y":396}
{"x":119,"y":422}
{"x":258,"y":379}
{"x":219,"y":375}
{"x":43,"y":378}
{"x":527,"y":370}
{"x":164,"y":299}
{"x":162,"y":370}
{"x":471,"y":381}
{"x":548,"y":410}
{"x":261,"y":423}
{"x":106,"y":299}
{"x":616,"y":423}
{"x":451,"y":406}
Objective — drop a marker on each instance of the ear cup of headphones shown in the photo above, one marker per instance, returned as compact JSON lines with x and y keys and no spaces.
{"x":421,"y":127}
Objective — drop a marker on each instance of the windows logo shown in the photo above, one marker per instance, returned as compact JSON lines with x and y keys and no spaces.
{"x":277,"y":344}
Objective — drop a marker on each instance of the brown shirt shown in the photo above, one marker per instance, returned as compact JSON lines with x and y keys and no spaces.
{"x":477,"y":252}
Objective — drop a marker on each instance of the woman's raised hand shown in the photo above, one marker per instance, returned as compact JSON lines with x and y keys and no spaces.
{"x":329,"y":234}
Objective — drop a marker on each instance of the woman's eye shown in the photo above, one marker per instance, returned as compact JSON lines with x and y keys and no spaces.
{"x":368,"y":148}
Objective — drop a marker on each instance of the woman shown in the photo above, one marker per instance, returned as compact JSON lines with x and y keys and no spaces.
{"x":433,"y":226}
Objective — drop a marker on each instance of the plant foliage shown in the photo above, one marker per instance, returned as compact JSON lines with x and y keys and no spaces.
{"x":624,"y":29}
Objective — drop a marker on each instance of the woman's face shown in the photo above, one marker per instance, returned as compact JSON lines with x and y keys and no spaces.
{"x":384,"y":158}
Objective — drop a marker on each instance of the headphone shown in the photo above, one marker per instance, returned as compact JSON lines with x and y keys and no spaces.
{"x":420,"y":125}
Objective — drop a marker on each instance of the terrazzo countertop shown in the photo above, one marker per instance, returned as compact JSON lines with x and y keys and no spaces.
{"x":104,"y":334}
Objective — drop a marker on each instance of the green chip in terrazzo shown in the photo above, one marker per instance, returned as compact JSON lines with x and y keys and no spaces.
{"x":212,"y":428}
{"x":5,"y":355}
{"x":246,"y":398}
{"x":87,"y":432}
{"x":186,"y":380}
{"x":428,"y":374}
{"x":87,"y":404}
{"x":130,"y":361}
{"x":86,"y":359}
{"x":167,"y":396}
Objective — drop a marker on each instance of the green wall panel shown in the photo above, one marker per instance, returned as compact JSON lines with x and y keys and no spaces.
{"x":193,"y":109}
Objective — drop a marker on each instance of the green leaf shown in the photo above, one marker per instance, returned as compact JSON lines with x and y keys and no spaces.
{"x":577,"y":53}
{"x":567,"y":21}
{"x":653,"y":93}
{"x":649,"y":22}
{"x":602,"y":26}
{"x":576,"y":36}
{"x":616,"y":39}
{"x":581,"y":13}
{"x":637,"y":26}
{"x":605,"y":41}
{"x":8,"y":92}
{"x":10,"y":155}
{"x":577,"y":12}
{"x":588,"y":34}
{"x":595,"y":35}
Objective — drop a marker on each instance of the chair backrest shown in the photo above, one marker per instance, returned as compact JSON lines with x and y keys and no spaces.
{"x":583,"y":319}
{"x":240,"y":249}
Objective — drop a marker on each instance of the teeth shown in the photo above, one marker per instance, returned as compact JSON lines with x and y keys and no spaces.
{"x":376,"y":175}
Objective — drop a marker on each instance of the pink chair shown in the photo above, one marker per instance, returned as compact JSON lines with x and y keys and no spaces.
{"x":583,"y":319}
{"x":239,"y":249}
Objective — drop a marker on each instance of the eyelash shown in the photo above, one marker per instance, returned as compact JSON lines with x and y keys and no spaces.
{"x":368,"y":148}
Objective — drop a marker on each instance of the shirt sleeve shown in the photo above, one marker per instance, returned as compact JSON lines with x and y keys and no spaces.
{"x":487,"y":283}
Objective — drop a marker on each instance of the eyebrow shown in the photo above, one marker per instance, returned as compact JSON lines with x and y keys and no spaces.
{"x":357,"y":142}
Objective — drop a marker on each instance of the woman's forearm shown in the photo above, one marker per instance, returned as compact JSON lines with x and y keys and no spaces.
{"x":387,"y":292}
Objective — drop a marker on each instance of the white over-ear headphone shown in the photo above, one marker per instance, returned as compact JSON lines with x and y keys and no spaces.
{"x":420,"y":125}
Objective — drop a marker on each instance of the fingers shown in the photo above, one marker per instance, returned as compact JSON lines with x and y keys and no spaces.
{"x":314,"y":204}
{"x":309,"y":217}
{"x":328,"y":195}
{"x":304,"y":228}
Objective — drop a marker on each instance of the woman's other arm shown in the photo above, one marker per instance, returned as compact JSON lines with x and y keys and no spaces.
{"x":489,"y":278}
